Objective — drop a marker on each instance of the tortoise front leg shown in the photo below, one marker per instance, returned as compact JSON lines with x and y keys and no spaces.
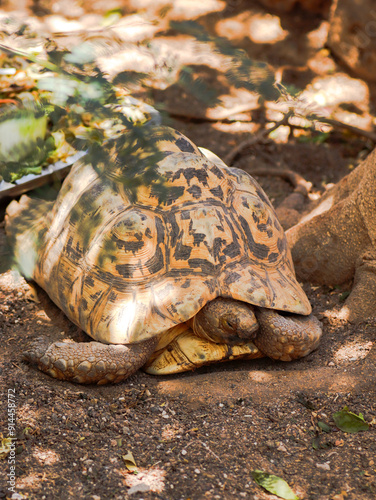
{"x":90,"y":362}
{"x":286,"y":337}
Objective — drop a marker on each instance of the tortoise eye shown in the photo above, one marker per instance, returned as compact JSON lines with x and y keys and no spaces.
{"x":229,"y":324}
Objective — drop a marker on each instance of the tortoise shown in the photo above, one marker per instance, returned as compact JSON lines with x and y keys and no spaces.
{"x":203,"y":275}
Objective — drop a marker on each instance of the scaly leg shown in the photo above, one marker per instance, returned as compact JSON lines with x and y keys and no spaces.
{"x":286,"y":337}
{"x":90,"y":362}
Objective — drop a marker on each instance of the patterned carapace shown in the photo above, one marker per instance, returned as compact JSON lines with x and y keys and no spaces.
{"x":127,"y":270}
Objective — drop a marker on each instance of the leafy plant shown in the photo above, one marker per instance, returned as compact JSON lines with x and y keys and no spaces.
{"x":76,"y":98}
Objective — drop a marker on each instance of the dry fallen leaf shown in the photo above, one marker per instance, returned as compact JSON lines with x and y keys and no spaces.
{"x":5,"y":447}
{"x":130,"y":462}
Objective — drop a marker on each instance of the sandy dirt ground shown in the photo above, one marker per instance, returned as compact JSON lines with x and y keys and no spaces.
{"x":201,"y":434}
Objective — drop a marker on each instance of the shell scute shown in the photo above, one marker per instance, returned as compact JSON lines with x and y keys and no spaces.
{"x":190,"y":178}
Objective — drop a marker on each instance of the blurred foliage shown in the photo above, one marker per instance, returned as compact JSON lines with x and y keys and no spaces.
{"x":87,"y":112}
{"x":23,"y":144}
{"x":242,"y":72}
{"x":80,"y":103}
{"x":56,"y":102}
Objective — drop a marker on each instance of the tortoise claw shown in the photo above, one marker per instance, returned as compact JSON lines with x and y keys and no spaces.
{"x":36,"y":351}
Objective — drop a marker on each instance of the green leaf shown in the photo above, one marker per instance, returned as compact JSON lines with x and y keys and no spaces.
{"x":14,"y":176}
{"x":112,"y":16}
{"x":20,"y":130}
{"x":323,"y":426}
{"x":81,"y":54}
{"x":315,"y":443}
{"x":350,"y":422}
{"x":315,"y":138}
{"x":274,"y":484}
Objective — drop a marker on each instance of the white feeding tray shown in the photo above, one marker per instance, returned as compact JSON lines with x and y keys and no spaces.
{"x":50,"y":173}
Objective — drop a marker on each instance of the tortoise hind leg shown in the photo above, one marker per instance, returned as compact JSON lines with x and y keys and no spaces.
{"x":90,"y":362}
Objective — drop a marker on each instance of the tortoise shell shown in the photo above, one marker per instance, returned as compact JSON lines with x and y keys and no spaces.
{"x":125,"y":270}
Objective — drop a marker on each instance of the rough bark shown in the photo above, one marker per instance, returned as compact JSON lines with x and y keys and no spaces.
{"x":352,"y":35}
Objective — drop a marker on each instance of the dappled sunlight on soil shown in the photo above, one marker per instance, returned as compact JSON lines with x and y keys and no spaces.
{"x":12,"y":280}
{"x":28,"y":416}
{"x":169,"y":431}
{"x":32,"y":481}
{"x":352,"y":351}
{"x":317,"y":37}
{"x":154,"y":478}
{"x":45,"y":457}
{"x":260,"y":377}
{"x":266,"y":29}
{"x":335,"y":89}
{"x":180,"y":8}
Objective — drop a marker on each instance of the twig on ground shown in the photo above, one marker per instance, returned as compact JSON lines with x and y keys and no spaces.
{"x":206,"y":446}
{"x":258,"y":137}
{"x":346,"y":126}
{"x":297,"y":181}
{"x":263,"y":134}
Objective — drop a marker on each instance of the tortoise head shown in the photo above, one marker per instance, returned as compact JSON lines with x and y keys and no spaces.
{"x":226,"y":321}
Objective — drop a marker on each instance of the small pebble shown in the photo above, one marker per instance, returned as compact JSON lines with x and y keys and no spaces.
{"x":138,"y":488}
{"x":324,"y":466}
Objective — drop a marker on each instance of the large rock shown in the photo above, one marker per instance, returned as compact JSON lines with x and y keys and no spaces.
{"x":352,"y":35}
{"x":336,"y":241}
